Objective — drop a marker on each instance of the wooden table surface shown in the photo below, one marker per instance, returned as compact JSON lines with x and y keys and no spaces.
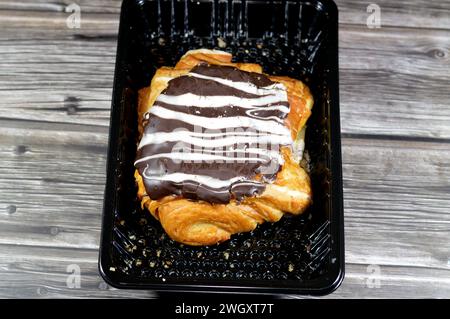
{"x":55,"y":98}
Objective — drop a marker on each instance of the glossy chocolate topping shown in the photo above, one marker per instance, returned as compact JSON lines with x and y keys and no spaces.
{"x":215,"y":135}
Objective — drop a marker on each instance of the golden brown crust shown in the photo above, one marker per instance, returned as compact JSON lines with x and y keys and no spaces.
{"x":300,"y":101}
{"x":194,"y":57}
{"x":201,"y":223}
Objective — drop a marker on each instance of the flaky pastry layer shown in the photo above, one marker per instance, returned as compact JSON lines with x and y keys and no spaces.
{"x":201,"y":223}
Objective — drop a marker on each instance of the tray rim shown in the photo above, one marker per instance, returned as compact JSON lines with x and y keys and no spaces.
{"x":337,"y":273}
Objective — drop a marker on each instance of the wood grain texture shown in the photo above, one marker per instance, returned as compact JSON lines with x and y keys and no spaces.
{"x":391,"y":282}
{"x":417,"y":14}
{"x":401,"y":13}
{"x":87,"y":6}
{"x":59,"y":201}
{"x":394,"y":190}
{"x":393,"y":82}
{"x":397,"y":192}
{"x":55,"y":96}
{"x":43,"y":272}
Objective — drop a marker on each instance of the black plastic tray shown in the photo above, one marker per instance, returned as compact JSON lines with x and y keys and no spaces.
{"x":298,"y":255}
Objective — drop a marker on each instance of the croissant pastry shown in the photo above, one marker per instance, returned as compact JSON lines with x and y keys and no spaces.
{"x":220,"y":147}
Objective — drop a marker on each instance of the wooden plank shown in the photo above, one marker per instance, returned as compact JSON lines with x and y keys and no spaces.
{"x":391,"y":282}
{"x":87,"y":6}
{"x":396,"y":50}
{"x":386,"y":78}
{"x":403,"y":13}
{"x":52,"y":186}
{"x":395,"y":82}
{"x":106,"y":8}
{"x":41,"y":21}
{"x":394,"y":190}
{"x":396,"y":194}
{"x":420,"y":14}
{"x":43,"y":272}
{"x":67,"y":80}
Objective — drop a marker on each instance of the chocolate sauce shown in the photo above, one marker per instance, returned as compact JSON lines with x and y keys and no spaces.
{"x":214,"y":135}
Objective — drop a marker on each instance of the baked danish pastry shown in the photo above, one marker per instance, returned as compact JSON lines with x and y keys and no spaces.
{"x":220,"y":147}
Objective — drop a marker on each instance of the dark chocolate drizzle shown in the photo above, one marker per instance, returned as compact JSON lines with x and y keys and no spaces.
{"x":251,"y":172}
